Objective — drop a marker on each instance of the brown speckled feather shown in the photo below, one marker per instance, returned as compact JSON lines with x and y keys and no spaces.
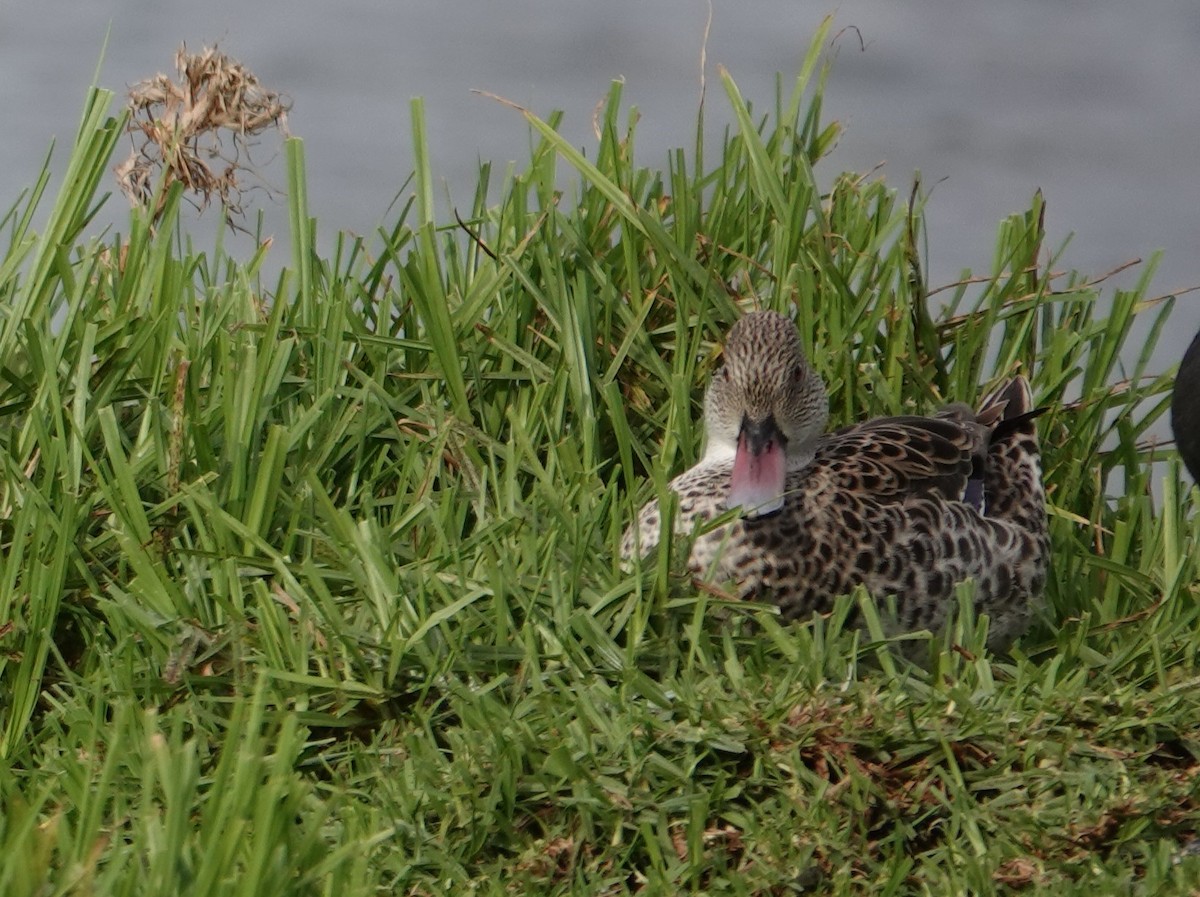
{"x":886,"y":504}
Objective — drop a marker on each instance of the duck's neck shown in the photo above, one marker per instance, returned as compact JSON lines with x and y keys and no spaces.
{"x":718,"y":453}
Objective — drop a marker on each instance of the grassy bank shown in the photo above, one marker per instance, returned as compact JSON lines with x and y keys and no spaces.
{"x":310,"y":586}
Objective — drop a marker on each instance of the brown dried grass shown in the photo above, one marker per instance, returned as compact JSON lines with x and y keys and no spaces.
{"x":198,"y":130}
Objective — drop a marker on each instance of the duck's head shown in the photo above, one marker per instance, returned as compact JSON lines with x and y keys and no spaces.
{"x":765,"y":408}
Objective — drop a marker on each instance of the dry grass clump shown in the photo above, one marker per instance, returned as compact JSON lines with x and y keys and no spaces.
{"x":197,"y":131}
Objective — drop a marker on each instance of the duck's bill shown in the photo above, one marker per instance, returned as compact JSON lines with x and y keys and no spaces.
{"x":759,"y":475}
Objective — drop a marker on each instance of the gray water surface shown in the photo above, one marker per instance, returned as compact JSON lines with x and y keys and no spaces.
{"x":1093,"y":102}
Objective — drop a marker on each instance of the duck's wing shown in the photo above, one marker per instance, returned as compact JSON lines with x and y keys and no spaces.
{"x":893,"y":458}
{"x":945,"y":455}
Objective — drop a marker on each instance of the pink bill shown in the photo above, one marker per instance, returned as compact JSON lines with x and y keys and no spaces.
{"x":758,"y":480}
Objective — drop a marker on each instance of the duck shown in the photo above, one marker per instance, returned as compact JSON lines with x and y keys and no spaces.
{"x":908,"y":506}
{"x":1185,"y":408}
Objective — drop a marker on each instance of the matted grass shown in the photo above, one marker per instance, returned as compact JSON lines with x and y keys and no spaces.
{"x":311,"y":586}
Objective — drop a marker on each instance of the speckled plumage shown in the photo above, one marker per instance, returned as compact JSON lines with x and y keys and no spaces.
{"x":907,"y":506}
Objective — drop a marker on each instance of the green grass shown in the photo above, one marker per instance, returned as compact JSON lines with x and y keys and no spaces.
{"x":310,"y":586}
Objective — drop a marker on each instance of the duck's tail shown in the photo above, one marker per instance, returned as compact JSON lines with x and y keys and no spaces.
{"x":1012,"y":469}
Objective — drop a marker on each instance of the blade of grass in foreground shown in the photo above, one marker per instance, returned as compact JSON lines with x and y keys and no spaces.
{"x":94,"y":144}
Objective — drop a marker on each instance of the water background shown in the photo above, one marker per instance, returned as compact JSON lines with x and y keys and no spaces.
{"x":1093,"y":101}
